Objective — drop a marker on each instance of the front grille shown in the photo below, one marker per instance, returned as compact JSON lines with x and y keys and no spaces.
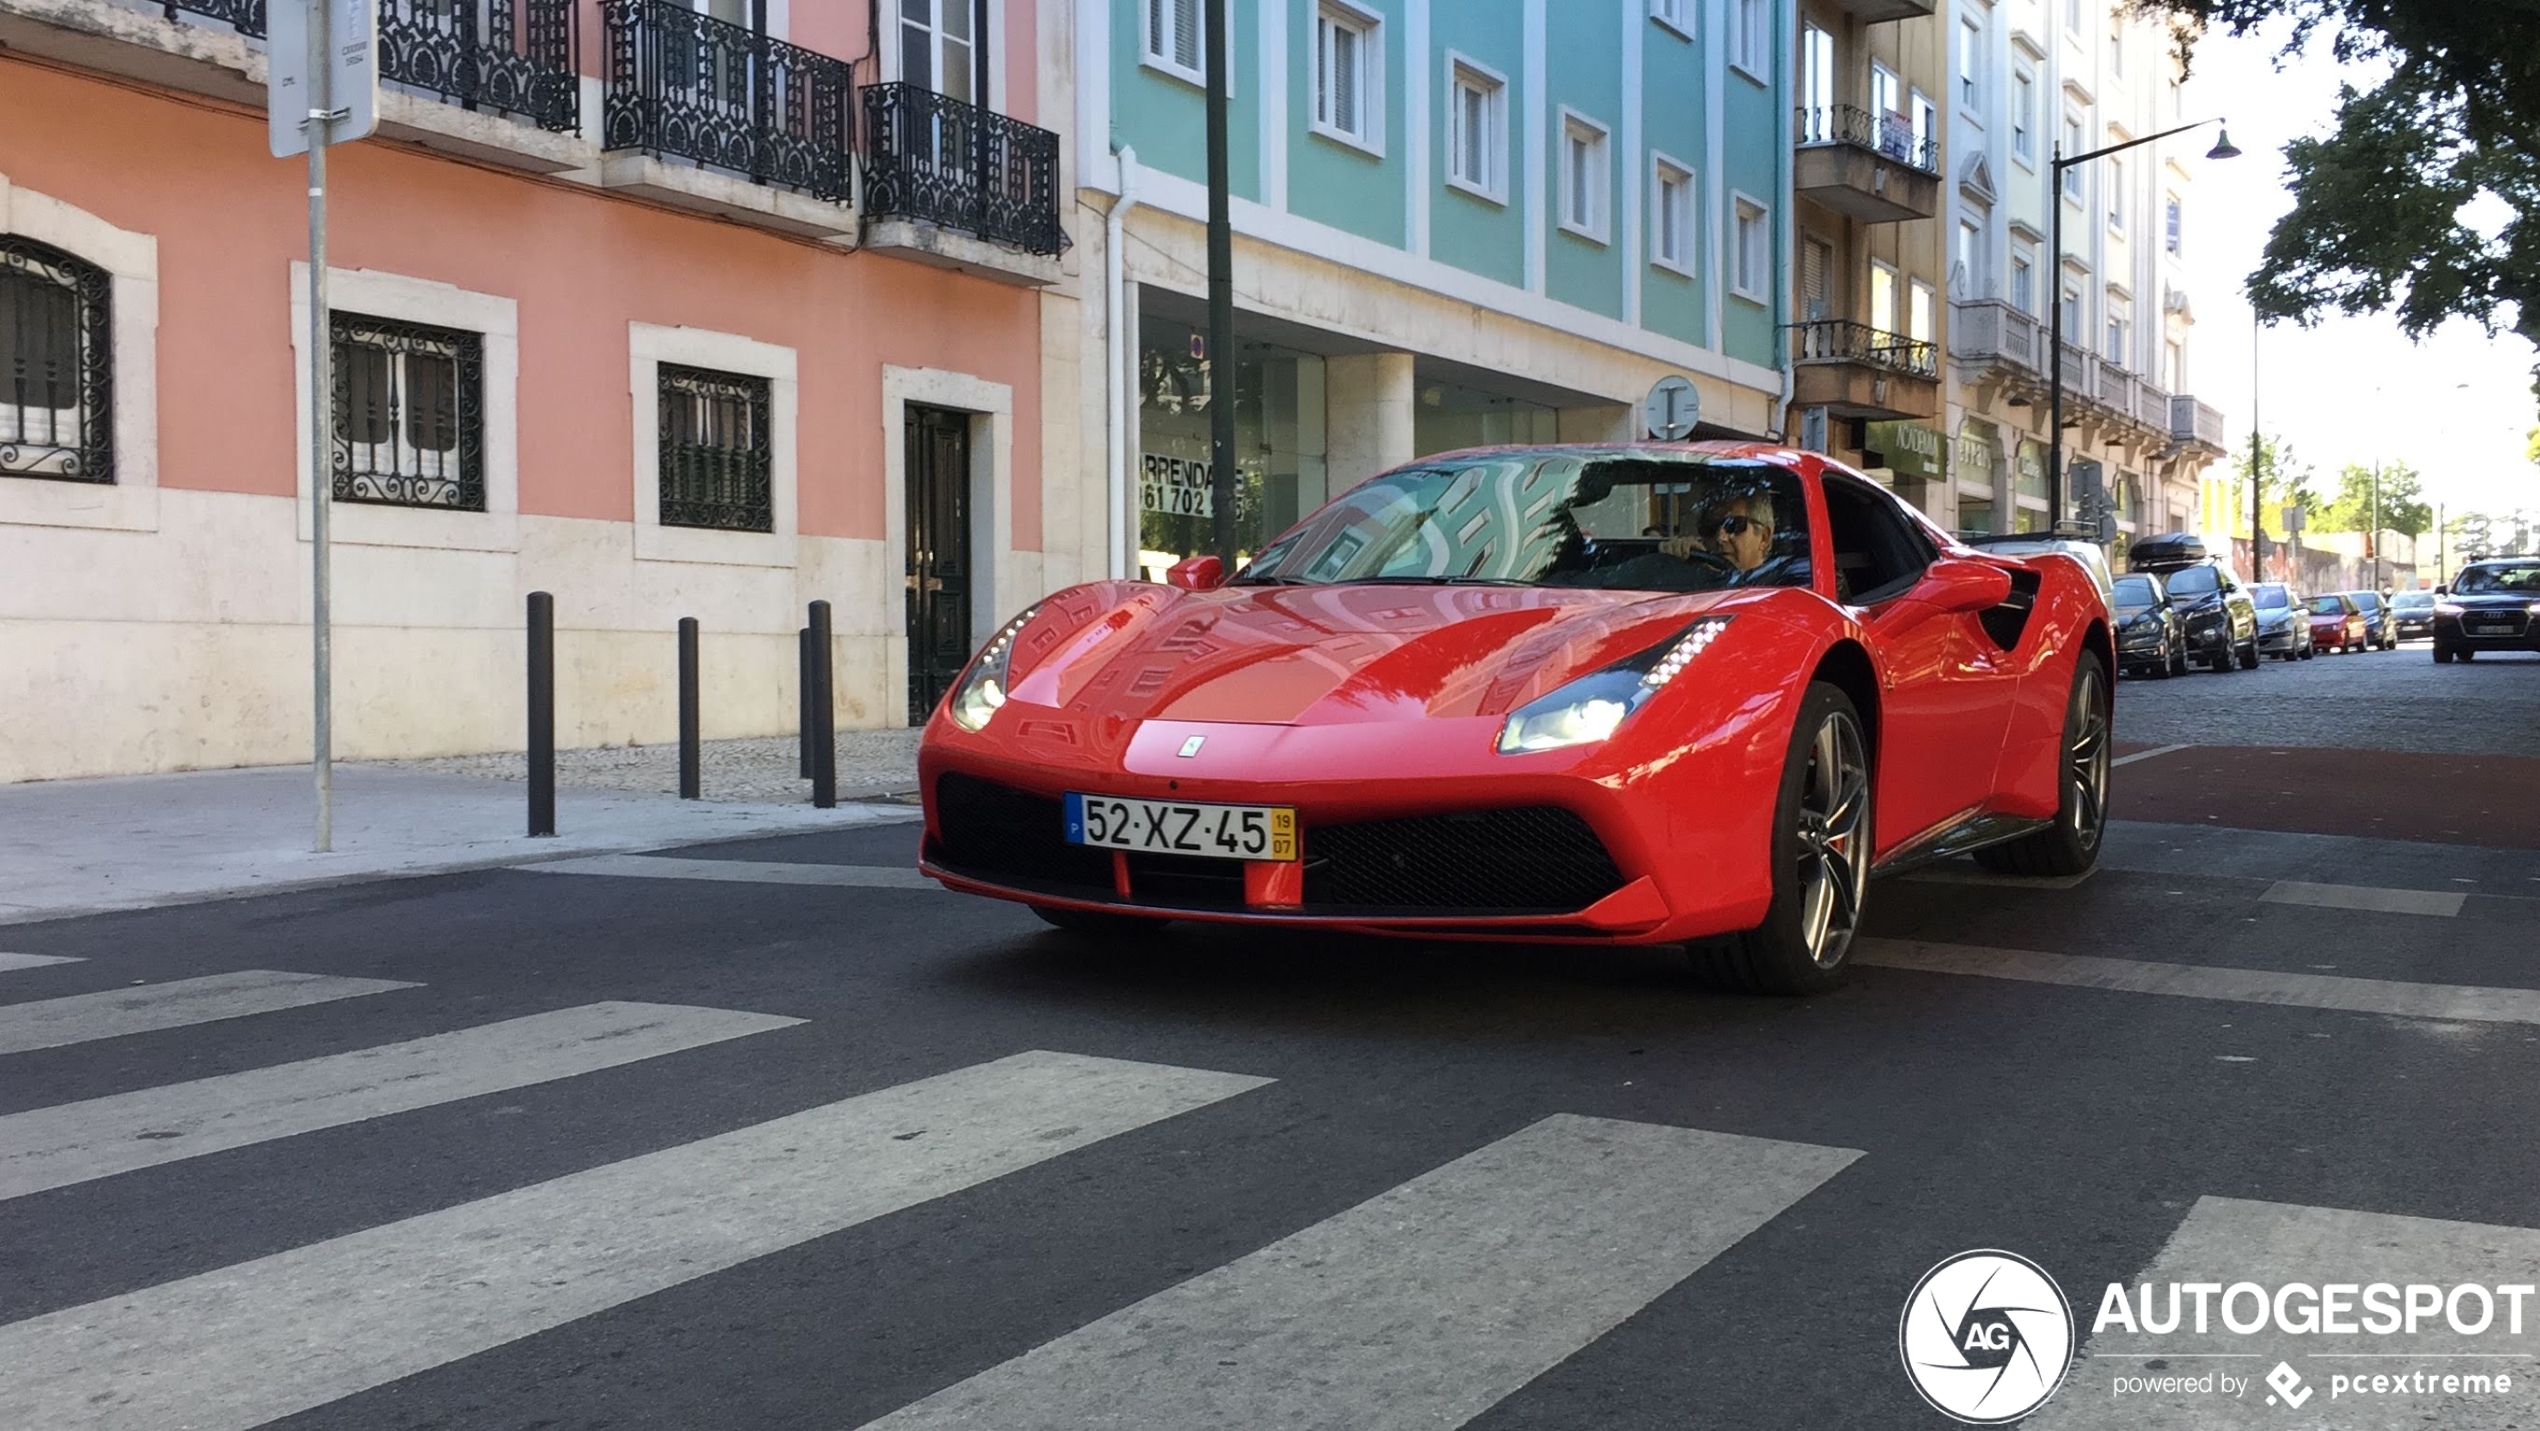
{"x":996,"y":830}
{"x":1526,"y":861}
{"x":2496,"y":623}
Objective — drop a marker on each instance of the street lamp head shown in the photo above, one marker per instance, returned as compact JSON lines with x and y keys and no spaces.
{"x":2223,"y":147}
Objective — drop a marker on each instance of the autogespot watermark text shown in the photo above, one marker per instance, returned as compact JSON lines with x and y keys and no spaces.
{"x":2300,"y":1309}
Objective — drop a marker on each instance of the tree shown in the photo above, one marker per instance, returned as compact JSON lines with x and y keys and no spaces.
{"x":2377,"y":223}
{"x":2290,"y":482}
{"x":2403,"y":508}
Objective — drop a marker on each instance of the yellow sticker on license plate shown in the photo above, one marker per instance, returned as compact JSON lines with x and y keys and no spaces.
{"x":1175,"y":827}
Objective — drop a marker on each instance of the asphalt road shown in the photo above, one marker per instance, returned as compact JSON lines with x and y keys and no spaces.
{"x":810,"y":1146}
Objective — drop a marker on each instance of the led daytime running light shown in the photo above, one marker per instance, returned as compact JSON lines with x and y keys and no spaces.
{"x":1695,"y":642}
{"x":981,"y":693}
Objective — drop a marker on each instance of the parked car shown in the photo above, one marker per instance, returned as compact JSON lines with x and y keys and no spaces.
{"x":2092,"y":556}
{"x":2412,"y":612}
{"x":1495,"y":726}
{"x":2150,"y":640}
{"x":2379,"y":629}
{"x":2489,"y":607}
{"x":2280,"y":633}
{"x":2337,"y":623}
{"x":2213,"y":603}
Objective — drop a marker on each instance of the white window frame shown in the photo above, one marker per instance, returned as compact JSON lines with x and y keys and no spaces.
{"x":648,"y":346}
{"x":1369,"y":26}
{"x":2174,"y":225}
{"x":2116,"y":326}
{"x":1663,"y":169}
{"x":1969,"y":82}
{"x":1751,"y":39}
{"x":1671,"y":13}
{"x":1600,"y":197}
{"x":2024,"y":261}
{"x":1888,"y":317}
{"x":2076,"y":188}
{"x":1740,"y":205}
{"x":1967,"y":262}
{"x":493,"y":317}
{"x":1462,"y":71}
{"x":2024,"y":115}
{"x":1922,"y":312}
{"x":131,"y":260}
{"x":1160,"y":57}
{"x":2115,"y":189}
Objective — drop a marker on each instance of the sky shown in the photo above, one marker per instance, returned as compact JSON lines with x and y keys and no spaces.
{"x":2350,"y":389}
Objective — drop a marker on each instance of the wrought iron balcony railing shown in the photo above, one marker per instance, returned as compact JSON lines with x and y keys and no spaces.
{"x":684,"y":85}
{"x":1840,"y":340}
{"x":515,"y":56}
{"x":951,"y":163}
{"x":1888,"y":134}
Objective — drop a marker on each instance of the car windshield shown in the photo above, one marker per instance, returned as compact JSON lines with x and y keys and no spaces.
{"x":2369,"y":601}
{"x":2135,"y":593}
{"x":2412,"y":601}
{"x":1580,"y":519}
{"x":2193,"y":581}
{"x":2498,"y":580}
{"x":2271,"y":597}
{"x":2328,"y":606}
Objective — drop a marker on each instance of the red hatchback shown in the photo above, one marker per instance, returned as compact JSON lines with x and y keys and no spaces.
{"x":2337,"y":624}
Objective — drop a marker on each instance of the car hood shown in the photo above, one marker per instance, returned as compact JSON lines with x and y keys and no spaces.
{"x":2496,"y":601}
{"x":1123,"y":651}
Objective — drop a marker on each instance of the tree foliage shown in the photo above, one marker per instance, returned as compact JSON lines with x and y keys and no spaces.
{"x":2378,"y":218}
{"x":2403,"y":507}
{"x":2290,"y":482}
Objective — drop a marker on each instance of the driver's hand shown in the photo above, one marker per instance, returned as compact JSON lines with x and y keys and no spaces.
{"x":1681,"y":546}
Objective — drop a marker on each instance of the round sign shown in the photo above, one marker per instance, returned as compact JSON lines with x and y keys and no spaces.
{"x":1986,"y":1337}
{"x":1673,"y":407}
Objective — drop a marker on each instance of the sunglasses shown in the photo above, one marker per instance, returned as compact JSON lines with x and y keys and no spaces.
{"x":1736,"y":526}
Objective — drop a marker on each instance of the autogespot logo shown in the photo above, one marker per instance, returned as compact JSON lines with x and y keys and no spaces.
{"x":1986,"y":1337}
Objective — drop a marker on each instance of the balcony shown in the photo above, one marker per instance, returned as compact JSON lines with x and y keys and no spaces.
{"x":717,"y":118}
{"x":1855,"y":370}
{"x":1873,"y":12}
{"x":1989,"y":333}
{"x":949,"y":183}
{"x":2197,"y":424}
{"x":1866,"y":166}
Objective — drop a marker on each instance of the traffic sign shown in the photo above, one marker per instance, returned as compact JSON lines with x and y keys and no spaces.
{"x":1672,"y":408}
{"x":352,"y":73}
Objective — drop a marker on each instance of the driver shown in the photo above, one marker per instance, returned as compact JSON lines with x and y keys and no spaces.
{"x":1739,"y":530}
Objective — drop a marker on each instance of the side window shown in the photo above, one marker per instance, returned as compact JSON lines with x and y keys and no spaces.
{"x":1878,"y":553}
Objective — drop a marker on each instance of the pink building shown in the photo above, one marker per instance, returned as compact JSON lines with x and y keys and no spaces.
{"x":669,"y":307}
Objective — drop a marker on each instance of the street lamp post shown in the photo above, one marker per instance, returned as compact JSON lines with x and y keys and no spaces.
{"x":2223,"y":149}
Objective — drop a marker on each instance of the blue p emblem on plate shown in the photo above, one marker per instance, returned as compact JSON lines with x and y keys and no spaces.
{"x":1075,"y":818}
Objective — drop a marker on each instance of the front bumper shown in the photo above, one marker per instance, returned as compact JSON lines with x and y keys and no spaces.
{"x":2472,"y":634}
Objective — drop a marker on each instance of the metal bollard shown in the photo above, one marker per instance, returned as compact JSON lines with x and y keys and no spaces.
{"x":691,"y":743}
{"x":802,"y":701}
{"x":824,"y":713}
{"x":542,"y":713}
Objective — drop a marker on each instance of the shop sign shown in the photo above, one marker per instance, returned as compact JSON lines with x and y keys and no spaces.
{"x":2032,"y":468}
{"x":1977,"y":451}
{"x":1176,"y":486}
{"x":1908,"y":449}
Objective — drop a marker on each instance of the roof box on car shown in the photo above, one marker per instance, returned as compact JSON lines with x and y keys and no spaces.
{"x":2165,"y":552}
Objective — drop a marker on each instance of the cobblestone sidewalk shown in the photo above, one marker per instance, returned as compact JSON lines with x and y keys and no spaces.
{"x":871,"y":763}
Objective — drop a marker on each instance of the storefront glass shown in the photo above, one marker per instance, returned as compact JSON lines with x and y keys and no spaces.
{"x":2031,"y":474}
{"x":1450,"y":418}
{"x":1279,"y":443}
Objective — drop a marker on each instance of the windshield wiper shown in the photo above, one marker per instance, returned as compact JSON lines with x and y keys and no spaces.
{"x":1272,"y":581}
{"x":1435,"y":581}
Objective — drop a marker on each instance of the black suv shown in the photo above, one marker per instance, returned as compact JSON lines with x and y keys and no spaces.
{"x":2488,"y":607}
{"x":2219,"y":617}
{"x":2150,"y":641}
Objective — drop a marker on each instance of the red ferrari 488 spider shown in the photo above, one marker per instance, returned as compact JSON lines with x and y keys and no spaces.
{"x":1684,"y":693}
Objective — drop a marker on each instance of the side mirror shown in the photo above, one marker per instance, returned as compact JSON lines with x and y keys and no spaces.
{"x":2443,"y":590}
{"x":1956,"y":584}
{"x":1199,"y":573}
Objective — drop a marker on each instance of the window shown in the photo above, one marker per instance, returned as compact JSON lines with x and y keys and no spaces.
{"x":1671,"y":215}
{"x":2120,"y":347}
{"x":409,"y":404}
{"x":1816,"y":85}
{"x":1883,"y":297}
{"x":716,"y":459}
{"x":1751,"y":36}
{"x":1970,"y":64}
{"x":1887,"y":93}
{"x":1347,"y":63}
{"x":1671,"y":13}
{"x":2175,"y":216}
{"x":2116,"y":43}
{"x":2073,"y":20}
{"x":1585,"y":177}
{"x":1477,"y":131}
{"x":2072,"y":308}
{"x":1879,"y":551}
{"x":56,"y":365}
{"x":2024,"y":280}
{"x":936,"y":50}
{"x":1752,"y":275}
{"x":1968,"y":262}
{"x":1173,"y":38}
{"x":1926,"y":132}
{"x":2024,"y":117}
{"x":2116,"y":192}
{"x":1922,"y":315}
{"x":2072,"y":146}
{"x":1816,"y":279}
{"x":2174,"y":367}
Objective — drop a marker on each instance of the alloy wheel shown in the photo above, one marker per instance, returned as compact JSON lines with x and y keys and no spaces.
{"x":1834,"y":839}
{"x":2086,"y":764}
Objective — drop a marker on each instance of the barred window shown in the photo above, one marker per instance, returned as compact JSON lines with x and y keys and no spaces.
{"x":409,"y":414}
{"x":716,"y":459}
{"x":56,"y":365}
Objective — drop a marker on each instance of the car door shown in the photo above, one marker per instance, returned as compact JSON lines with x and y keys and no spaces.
{"x":1946,"y":685}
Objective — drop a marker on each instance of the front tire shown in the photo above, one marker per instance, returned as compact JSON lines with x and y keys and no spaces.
{"x":2178,"y":661}
{"x":2249,"y":655}
{"x":2070,"y":846}
{"x":1822,"y":828}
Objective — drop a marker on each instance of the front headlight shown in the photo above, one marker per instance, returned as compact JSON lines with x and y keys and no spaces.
{"x":1590,"y":708}
{"x":2445,"y":608}
{"x":982,"y":687}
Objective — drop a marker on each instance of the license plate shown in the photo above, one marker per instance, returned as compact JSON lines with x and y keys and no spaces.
{"x":1172,"y":827}
{"x":2502,"y":623}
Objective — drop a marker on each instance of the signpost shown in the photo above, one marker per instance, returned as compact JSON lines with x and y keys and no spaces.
{"x":321,"y":88}
{"x":1671,"y":410}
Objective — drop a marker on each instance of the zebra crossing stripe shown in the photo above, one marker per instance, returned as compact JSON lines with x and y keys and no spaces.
{"x":243,"y":1345}
{"x":1421,"y":1307}
{"x":2227,"y":1241}
{"x":31,"y":961}
{"x":112,"y":1013}
{"x":75,"y":1142}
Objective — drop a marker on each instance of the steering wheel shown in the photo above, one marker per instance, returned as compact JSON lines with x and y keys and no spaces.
{"x":1772,"y":572}
{"x":1711,"y":561}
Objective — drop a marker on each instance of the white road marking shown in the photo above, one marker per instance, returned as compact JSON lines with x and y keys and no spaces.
{"x":75,"y":1142}
{"x":2229,"y":1240}
{"x":739,"y":871}
{"x":243,"y":1345}
{"x":2442,"y":904}
{"x":1421,"y":1307}
{"x":31,"y":961}
{"x":112,"y":1013}
{"x":2248,"y":986}
{"x":2157,"y":750}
